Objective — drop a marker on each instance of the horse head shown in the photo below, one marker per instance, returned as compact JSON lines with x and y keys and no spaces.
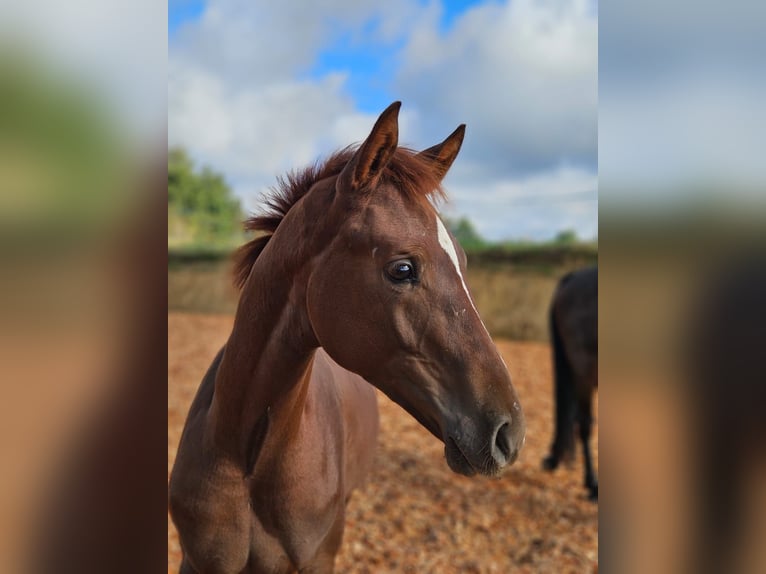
{"x":386,"y":298}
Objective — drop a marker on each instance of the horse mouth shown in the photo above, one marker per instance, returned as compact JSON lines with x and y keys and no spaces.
{"x":456,"y":460}
{"x":459,"y":462}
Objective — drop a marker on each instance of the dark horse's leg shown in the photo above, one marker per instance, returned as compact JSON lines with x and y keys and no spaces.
{"x":564,"y":402}
{"x":585,"y":416}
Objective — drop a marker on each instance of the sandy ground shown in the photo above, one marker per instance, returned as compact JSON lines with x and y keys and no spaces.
{"x":414,"y":514}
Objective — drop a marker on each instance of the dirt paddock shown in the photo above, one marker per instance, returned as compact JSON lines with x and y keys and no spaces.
{"x":414,"y":514}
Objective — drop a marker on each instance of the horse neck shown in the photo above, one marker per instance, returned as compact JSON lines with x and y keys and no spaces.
{"x":266,"y":365}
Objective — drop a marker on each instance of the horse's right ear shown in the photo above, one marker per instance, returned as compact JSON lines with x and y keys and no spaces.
{"x":372,"y":157}
{"x":441,"y":156}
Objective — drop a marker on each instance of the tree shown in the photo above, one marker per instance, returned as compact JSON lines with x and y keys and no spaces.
{"x":465,"y":233}
{"x":201,"y":205}
{"x":566,"y":237}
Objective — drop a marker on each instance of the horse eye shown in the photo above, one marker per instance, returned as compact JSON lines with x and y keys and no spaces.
{"x":401,"y":270}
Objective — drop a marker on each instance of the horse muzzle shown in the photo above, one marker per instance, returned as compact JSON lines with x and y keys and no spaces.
{"x":488,"y":453}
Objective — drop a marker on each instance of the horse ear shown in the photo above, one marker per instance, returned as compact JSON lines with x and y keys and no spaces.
{"x":372,"y":157}
{"x":442,"y":155}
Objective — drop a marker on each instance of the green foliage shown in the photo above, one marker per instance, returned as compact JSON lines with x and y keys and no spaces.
{"x":566,"y":237}
{"x":565,"y":250}
{"x":61,"y":159}
{"x":201,"y":206}
{"x":470,"y":239}
{"x":465,"y":233}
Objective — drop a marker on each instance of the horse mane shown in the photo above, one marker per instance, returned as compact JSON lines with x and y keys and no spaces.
{"x":407,"y":171}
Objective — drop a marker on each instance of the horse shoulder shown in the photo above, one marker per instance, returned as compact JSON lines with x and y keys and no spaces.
{"x":297,"y":486}
{"x":207,"y":496}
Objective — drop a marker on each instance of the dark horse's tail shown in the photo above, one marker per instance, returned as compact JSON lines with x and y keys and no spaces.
{"x":564,"y":390}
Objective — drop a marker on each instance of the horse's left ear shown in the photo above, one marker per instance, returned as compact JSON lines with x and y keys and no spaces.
{"x":442,"y":155}
{"x":372,"y":157}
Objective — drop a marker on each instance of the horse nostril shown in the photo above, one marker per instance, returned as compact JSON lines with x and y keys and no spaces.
{"x":501,"y":450}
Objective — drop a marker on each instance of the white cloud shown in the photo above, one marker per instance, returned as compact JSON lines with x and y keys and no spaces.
{"x":682,"y":94}
{"x":249,"y":42}
{"x":238,"y":96}
{"x":252,"y":131}
{"x":534,"y":206}
{"x":675,"y":135}
{"x":521,"y":75}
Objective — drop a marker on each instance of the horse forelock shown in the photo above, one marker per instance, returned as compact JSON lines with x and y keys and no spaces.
{"x":408,"y":172}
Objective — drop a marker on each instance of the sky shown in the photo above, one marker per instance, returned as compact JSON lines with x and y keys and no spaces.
{"x":257,"y":88}
{"x":657,"y":96}
{"x":681,"y":92}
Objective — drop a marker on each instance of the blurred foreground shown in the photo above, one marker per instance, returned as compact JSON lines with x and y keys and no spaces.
{"x":682,"y":333}
{"x":82,"y":292}
{"x":682,"y":221}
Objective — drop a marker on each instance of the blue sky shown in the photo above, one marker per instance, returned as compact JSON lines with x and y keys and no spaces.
{"x":521,"y":74}
{"x":182,"y":11}
{"x":371,"y":64}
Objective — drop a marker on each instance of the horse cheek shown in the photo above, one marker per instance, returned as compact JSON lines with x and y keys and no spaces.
{"x":336,"y":321}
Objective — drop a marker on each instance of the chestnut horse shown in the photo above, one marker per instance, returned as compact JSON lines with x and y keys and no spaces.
{"x":356,"y":281}
{"x":574,"y":335}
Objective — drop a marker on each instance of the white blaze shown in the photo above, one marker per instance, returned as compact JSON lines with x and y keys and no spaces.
{"x":446,"y":242}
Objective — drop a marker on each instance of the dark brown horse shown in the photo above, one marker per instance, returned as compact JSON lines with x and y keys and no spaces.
{"x":574,"y":335}
{"x":356,"y":280}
